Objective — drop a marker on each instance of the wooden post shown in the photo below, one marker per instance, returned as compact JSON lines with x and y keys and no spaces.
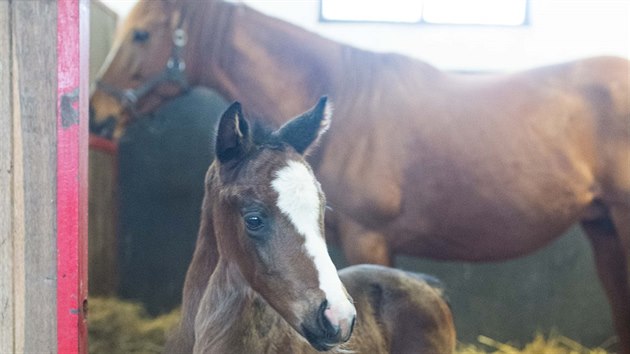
{"x":43,"y":174}
{"x":103,"y":205}
{"x":7,"y":318}
{"x":72,"y":148}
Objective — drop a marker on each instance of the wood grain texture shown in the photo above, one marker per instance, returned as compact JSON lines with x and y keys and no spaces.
{"x":34,"y":112}
{"x":29,"y":170}
{"x":103,"y":248}
{"x":71,"y":173}
{"x":6,"y":173}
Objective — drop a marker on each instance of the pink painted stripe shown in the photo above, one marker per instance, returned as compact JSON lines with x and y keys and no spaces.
{"x":102,"y":144}
{"x":71,"y":175}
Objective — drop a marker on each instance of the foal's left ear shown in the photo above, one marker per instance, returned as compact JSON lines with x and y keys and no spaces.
{"x":304,"y":131}
{"x":233,"y":138}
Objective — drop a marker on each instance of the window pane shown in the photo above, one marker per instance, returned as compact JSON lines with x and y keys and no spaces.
{"x":481,"y":12}
{"x":378,"y":11}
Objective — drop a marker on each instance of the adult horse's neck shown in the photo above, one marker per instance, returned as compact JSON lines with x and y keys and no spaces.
{"x":206,"y":24}
{"x":274,"y":68}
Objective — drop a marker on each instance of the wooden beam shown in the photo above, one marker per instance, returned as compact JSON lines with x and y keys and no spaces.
{"x":7,"y":344}
{"x":72,"y":141}
{"x":34,"y":83}
{"x":43,"y":175}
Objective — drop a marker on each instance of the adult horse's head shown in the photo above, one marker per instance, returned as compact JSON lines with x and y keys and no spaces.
{"x":268,"y":218}
{"x":144,"y":65}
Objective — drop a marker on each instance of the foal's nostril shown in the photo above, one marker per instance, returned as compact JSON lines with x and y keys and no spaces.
{"x":332,"y":325}
{"x":329,"y":329}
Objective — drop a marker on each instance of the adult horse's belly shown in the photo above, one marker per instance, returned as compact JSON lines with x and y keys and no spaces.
{"x":473,"y":229}
{"x":496,"y":182}
{"x":490,"y":203}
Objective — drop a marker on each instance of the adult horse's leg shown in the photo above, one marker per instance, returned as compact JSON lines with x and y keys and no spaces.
{"x":611,"y":259}
{"x":617,"y":191}
{"x":361,"y":245}
{"x":621,"y":219}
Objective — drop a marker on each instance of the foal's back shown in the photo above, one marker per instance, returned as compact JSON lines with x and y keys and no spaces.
{"x":399,"y":312}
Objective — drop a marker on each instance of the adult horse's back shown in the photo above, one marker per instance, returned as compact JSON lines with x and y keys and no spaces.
{"x":420,"y":162}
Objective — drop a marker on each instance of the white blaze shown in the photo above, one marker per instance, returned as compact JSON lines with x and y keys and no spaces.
{"x":298,"y":199}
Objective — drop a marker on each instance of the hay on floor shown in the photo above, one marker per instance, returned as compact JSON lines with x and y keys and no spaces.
{"x":551,"y":344}
{"x":116,"y":326}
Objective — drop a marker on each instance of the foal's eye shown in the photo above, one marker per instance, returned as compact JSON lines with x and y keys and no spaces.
{"x":254,"y":222}
{"x":140,"y":36}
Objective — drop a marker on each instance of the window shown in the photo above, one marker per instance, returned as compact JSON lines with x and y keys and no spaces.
{"x":452,"y":12}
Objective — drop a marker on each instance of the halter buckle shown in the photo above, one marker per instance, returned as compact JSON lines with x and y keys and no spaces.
{"x":177,"y":64}
{"x":129,"y":98}
{"x":180,"y":38}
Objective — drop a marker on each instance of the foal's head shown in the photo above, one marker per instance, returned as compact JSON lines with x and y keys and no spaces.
{"x":268,"y":217}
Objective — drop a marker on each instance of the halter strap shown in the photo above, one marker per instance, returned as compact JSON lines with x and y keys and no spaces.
{"x":173,"y":72}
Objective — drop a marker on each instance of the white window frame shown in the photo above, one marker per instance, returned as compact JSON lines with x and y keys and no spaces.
{"x":434,"y":12}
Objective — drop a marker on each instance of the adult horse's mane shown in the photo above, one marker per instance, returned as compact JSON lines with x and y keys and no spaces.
{"x":419,"y":161}
{"x":299,"y":56}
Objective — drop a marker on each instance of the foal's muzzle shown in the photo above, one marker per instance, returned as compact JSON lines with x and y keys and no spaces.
{"x":328,"y":331}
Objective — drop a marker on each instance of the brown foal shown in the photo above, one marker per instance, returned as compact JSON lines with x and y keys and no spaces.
{"x":274,"y":288}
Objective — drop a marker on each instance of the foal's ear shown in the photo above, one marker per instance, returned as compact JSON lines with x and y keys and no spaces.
{"x":233,"y":138}
{"x":305,"y":130}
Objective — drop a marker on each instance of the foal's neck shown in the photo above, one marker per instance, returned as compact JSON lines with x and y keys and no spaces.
{"x":233,"y":318}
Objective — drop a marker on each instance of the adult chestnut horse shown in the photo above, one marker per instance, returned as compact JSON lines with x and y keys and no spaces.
{"x":420,"y":161}
{"x":263,"y":212}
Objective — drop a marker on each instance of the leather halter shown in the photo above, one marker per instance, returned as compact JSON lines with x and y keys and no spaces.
{"x":173,"y":72}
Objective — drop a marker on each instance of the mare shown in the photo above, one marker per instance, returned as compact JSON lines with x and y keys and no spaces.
{"x":274,"y":284}
{"x":420,"y":162}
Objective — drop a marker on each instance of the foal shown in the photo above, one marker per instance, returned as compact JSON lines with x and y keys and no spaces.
{"x":274,"y":288}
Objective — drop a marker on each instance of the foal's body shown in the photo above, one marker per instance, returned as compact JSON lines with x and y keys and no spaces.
{"x":396,"y":313}
{"x":274,"y":288}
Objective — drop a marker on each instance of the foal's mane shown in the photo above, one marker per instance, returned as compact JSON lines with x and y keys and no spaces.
{"x":262,"y":135}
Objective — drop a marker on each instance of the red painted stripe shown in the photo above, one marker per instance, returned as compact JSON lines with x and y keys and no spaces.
{"x":72,"y":143}
{"x":102,"y":144}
